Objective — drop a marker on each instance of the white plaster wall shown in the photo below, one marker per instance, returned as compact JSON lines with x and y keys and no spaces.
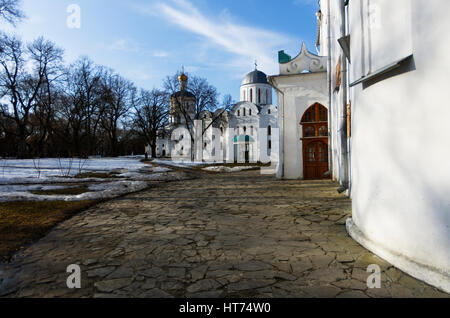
{"x":400,"y":144}
{"x":263,"y":87}
{"x":299,"y":93}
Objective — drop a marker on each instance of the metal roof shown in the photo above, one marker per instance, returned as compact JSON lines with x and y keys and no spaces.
{"x":255,"y":77}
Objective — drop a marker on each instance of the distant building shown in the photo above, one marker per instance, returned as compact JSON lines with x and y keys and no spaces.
{"x":243,"y":134}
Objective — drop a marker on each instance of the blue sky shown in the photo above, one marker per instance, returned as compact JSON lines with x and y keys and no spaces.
{"x":146,"y":40}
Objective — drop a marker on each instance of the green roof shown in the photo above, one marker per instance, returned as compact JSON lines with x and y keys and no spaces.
{"x":283,"y":57}
{"x":243,"y":139}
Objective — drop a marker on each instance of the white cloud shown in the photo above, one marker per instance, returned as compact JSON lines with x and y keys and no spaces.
{"x":125,"y":45}
{"x":245,"y":42}
{"x":160,"y":54}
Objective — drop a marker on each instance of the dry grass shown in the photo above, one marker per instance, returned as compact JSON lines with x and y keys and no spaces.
{"x":96,"y":175}
{"x":67,"y":191}
{"x":24,"y":222}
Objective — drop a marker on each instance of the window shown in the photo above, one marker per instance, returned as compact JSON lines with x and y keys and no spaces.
{"x":259,"y":96}
{"x":269,"y":131}
{"x":251,"y":95}
{"x":237,"y":130}
{"x":245,"y":96}
{"x":249,"y":112}
{"x":311,"y":153}
{"x":310,"y":132}
{"x":323,"y":131}
{"x":244,"y":112}
{"x":269,"y":144}
{"x":221,"y":131}
{"x":239,"y":113}
{"x":251,"y":130}
{"x":269,"y":112}
{"x":245,"y":130}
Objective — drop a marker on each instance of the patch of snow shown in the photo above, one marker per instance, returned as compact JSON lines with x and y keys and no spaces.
{"x":227,"y":169}
{"x":53,"y":167}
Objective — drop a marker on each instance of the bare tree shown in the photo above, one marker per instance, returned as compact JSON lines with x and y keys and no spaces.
{"x":81,"y":106}
{"x":48,"y":57}
{"x":10,"y":11}
{"x":21,"y":86}
{"x":152,"y":110}
{"x":118,"y":96}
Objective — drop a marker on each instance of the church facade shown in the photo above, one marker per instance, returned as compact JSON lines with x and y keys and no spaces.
{"x":246,"y":133}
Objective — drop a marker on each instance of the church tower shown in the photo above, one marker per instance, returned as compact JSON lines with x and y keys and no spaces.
{"x":256,"y":89}
{"x":182,"y":103}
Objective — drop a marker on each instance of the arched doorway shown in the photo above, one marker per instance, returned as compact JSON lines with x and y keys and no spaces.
{"x":315,"y":142}
{"x":243,"y":149}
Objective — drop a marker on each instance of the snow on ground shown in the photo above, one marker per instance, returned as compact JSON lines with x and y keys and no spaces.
{"x":228,"y":169}
{"x":50,"y":168}
{"x":19,"y":177}
{"x":177,"y":163}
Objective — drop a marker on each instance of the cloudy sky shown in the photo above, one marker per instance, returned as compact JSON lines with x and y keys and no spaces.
{"x":146,"y":40}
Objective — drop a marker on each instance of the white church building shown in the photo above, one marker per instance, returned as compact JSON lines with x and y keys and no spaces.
{"x":243,"y":134}
{"x":387,"y":96}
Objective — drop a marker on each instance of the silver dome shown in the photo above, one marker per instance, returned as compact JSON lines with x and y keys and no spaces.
{"x":255,"y":77}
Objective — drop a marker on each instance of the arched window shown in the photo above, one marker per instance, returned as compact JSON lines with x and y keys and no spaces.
{"x":244,"y":112}
{"x":239,"y":112}
{"x":237,"y":130}
{"x":245,"y":130}
{"x":251,"y":130}
{"x":251,"y":95}
{"x":269,"y":112}
{"x":259,"y":96}
{"x":249,"y":112}
{"x":269,"y":131}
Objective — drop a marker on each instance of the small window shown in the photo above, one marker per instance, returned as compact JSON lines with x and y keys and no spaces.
{"x":249,"y":112}
{"x":244,"y":112}
{"x":310,"y":132}
{"x":251,"y":95}
{"x":245,"y":130}
{"x":259,"y":96}
{"x":323,"y":131}
{"x":269,"y":144}
{"x":269,"y":131}
{"x":269,"y":112}
{"x":239,"y":113}
{"x":251,"y":130}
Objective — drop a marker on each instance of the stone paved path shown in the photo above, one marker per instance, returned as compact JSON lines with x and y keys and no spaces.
{"x":227,"y":235}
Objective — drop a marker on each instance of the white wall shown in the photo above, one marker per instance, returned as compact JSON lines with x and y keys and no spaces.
{"x":400,"y":170}
{"x":299,"y":92}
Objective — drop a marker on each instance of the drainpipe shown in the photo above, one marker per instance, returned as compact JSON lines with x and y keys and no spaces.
{"x":344,"y":146}
{"x":280,"y":160}
{"x":330,"y":112}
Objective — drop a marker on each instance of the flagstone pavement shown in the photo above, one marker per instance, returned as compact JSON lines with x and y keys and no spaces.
{"x":219,"y":235}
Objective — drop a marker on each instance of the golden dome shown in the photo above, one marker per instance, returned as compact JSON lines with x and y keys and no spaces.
{"x":182,"y":78}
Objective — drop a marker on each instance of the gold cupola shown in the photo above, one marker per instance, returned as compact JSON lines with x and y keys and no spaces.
{"x":183,"y":79}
